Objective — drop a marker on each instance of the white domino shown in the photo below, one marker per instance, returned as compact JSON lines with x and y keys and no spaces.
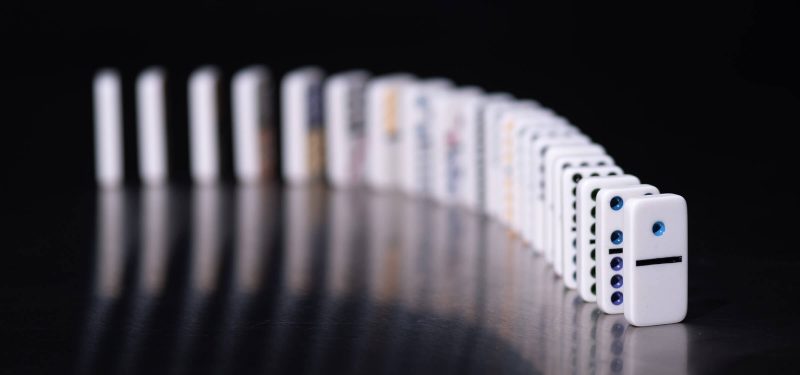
{"x":491,"y":100}
{"x":656,"y":260}
{"x":252,"y":127}
{"x":345,"y":143}
{"x":384,"y":130}
{"x":416,"y":143}
{"x":610,"y":218}
{"x":204,"y":125}
{"x":552,"y":172}
{"x":540,"y":185}
{"x":302,"y":134}
{"x":441,"y":112}
{"x":586,"y":237}
{"x":573,"y":169}
{"x":109,"y":157}
{"x":492,"y":158}
{"x":461,"y":147}
{"x":151,"y":114}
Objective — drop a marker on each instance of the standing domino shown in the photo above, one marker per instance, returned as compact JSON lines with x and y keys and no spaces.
{"x":610,"y":219}
{"x":301,"y":127}
{"x":204,"y":124}
{"x":586,"y":236}
{"x":344,"y":121}
{"x":253,"y":130}
{"x":108,"y":128}
{"x":152,"y":125}
{"x":578,"y":227}
{"x":656,"y":258}
{"x":384,"y":130}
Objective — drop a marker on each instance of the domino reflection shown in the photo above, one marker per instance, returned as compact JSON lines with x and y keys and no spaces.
{"x":311,"y":280}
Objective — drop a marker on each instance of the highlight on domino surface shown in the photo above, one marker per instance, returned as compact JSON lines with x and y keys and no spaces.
{"x":511,"y":159}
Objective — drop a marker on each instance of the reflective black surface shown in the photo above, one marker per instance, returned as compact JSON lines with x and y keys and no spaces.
{"x":315,"y":281}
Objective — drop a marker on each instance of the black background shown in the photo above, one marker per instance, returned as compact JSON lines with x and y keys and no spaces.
{"x":698,"y":99}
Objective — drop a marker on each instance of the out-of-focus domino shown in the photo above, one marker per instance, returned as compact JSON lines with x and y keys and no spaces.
{"x":384,"y":130}
{"x":151,"y":114}
{"x":583,"y":242}
{"x":610,"y":215}
{"x":441,"y":110}
{"x":554,"y":127}
{"x":492,"y":158}
{"x":461,"y":147}
{"x":301,"y":126}
{"x":656,"y":260}
{"x":417,"y":143}
{"x":491,"y":100}
{"x":552,"y":173}
{"x":254,"y":156}
{"x":108,"y":146}
{"x":540,"y":185}
{"x":514,"y":123}
{"x":204,"y":124}
{"x":345,"y":144}
{"x":562,"y":196}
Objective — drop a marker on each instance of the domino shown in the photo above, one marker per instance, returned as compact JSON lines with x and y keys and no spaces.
{"x":108,"y":146}
{"x":656,"y":260}
{"x":417,"y":146}
{"x":151,"y":114}
{"x":515,"y":123}
{"x":302,"y":134}
{"x":384,"y":131}
{"x":491,"y":116}
{"x":585,"y":239}
{"x":345,"y":143}
{"x":204,"y":125}
{"x":441,"y":105}
{"x":540,"y":185}
{"x":552,"y":174}
{"x":553,"y":127}
{"x":611,"y":218}
{"x":461,"y":139}
{"x":254,"y":157}
{"x":573,"y":170}
{"x":483,"y":146}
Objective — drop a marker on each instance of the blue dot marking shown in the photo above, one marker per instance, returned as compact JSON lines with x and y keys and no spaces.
{"x":659,"y":228}
{"x":616,"y":237}
{"x":616,"y":203}
{"x":616,"y":298}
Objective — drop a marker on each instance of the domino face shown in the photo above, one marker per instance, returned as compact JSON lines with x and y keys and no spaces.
{"x":610,"y":218}
{"x":656,"y":259}
{"x":462,"y":147}
{"x":384,"y":131}
{"x":345,"y":145}
{"x":568,"y":211}
{"x":539,"y":183}
{"x":417,"y":176}
{"x":492,"y":136}
{"x":301,"y":125}
{"x":553,"y":168}
{"x":585,"y":237}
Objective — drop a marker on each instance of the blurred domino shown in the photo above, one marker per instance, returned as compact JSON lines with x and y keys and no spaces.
{"x":552,"y":173}
{"x":417,"y":122}
{"x":491,"y":152}
{"x":585,"y":245}
{"x":302,"y":133}
{"x":383,"y":130}
{"x":564,"y":189}
{"x":539,"y":183}
{"x":441,"y":113}
{"x":656,"y":259}
{"x":108,"y":146}
{"x":611,"y":218}
{"x":204,"y":125}
{"x":253,"y":131}
{"x":344,"y":122}
{"x":152,"y":125}
{"x":461,"y":147}
{"x":483,"y":145}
